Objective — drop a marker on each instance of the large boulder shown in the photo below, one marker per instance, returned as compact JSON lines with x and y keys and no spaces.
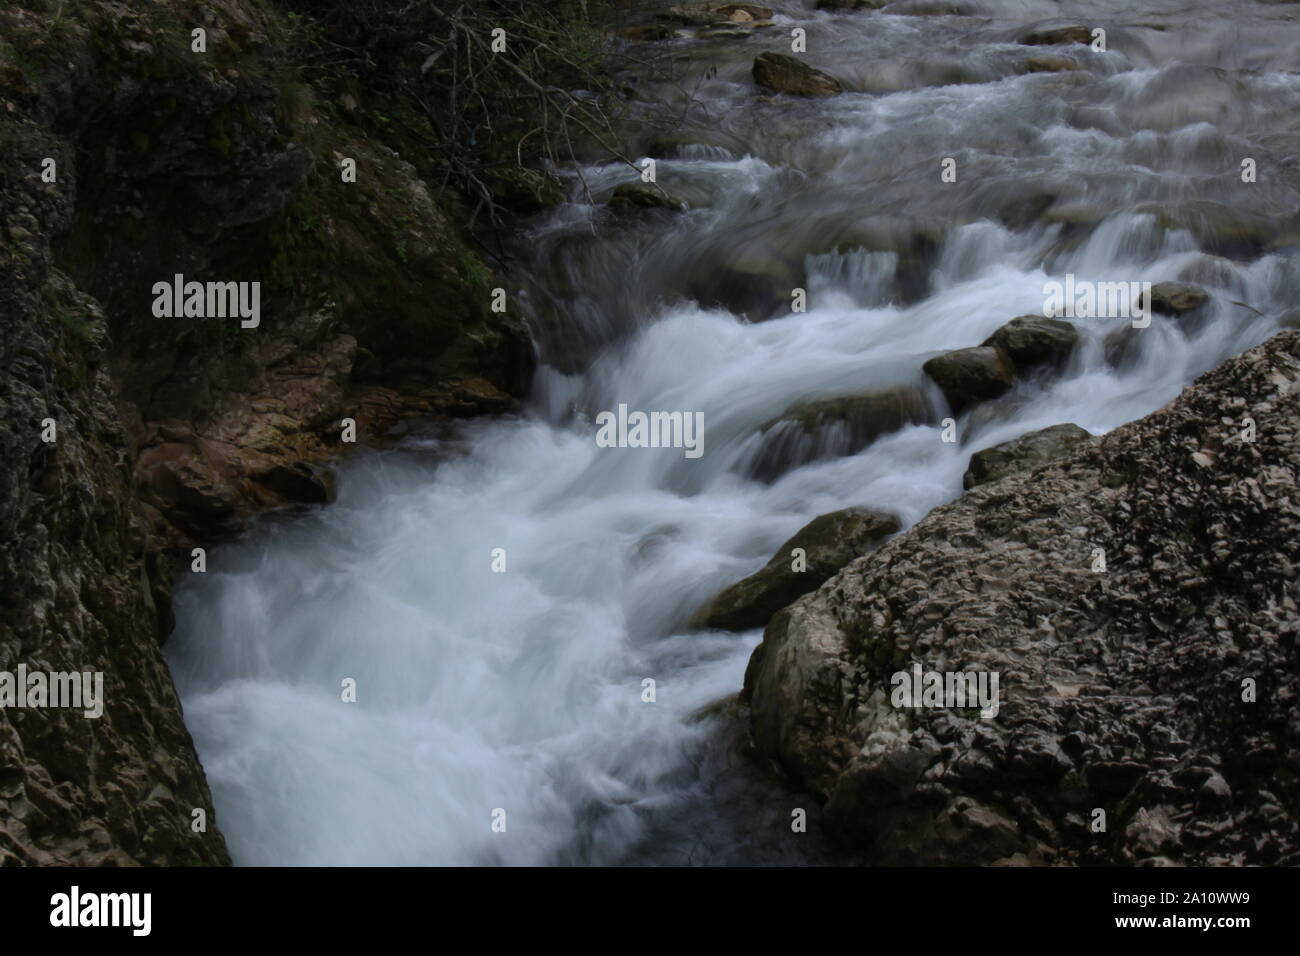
{"x":968,"y":376}
{"x":828,"y":543}
{"x":1034,"y":340}
{"x":1138,"y":600}
{"x":1021,"y":454}
{"x":831,"y":427}
{"x":782,"y":73}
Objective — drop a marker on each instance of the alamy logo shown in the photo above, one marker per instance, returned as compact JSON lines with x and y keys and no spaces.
{"x":1098,"y":300}
{"x":946,"y":689}
{"x":209,"y":300}
{"x":39,"y":689}
{"x":651,"y":430}
{"x":103,"y":909}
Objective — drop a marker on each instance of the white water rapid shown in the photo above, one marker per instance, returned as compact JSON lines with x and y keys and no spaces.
{"x":523,"y":691}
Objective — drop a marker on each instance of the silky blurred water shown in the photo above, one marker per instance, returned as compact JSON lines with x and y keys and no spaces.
{"x":479,"y":690}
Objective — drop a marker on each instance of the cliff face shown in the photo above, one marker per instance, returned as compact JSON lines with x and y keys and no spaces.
{"x":220,"y":166}
{"x":1161,"y":690}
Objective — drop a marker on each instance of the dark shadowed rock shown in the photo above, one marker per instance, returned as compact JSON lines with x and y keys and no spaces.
{"x":1034,"y":340}
{"x":1053,"y":35}
{"x":829,"y":543}
{"x":782,"y":73}
{"x":832,"y":427}
{"x":1021,"y":454}
{"x":300,"y":482}
{"x":1121,"y":686}
{"x":968,"y":376}
{"x":644,"y":196}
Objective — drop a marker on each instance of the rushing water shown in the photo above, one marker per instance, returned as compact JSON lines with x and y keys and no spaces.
{"x":522,"y":690}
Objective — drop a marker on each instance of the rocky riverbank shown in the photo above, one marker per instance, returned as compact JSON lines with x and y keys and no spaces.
{"x":132,"y":156}
{"x":1138,"y":597}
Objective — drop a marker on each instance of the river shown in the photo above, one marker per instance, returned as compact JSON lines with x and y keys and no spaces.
{"x":480,"y":690}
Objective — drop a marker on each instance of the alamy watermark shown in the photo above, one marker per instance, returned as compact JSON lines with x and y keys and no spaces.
{"x":624,"y":429}
{"x":957,"y":689}
{"x":82,"y":691}
{"x":1085,"y":299}
{"x":209,"y":300}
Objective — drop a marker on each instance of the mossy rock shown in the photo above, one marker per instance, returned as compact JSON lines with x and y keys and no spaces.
{"x":828,"y":543}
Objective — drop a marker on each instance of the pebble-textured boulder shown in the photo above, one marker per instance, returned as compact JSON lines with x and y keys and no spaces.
{"x":828,"y":542}
{"x":968,"y":376}
{"x":782,"y":73}
{"x":1138,"y":599}
{"x":1034,"y":340}
{"x":1021,"y":454}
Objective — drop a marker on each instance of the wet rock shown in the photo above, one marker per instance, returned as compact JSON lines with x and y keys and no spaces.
{"x":1050,"y":63}
{"x":831,"y":427}
{"x":1118,"y":689}
{"x":745,"y":12}
{"x":972,"y":375}
{"x":829,"y":543}
{"x":782,"y":73}
{"x":1290,"y":320}
{"x":525,"y":190}
{"x":1031,"y":341}
{"x":691,"y":14}
{"x":752,"y":278}
{"x":1232,"y":231}
{"x":1122,"y":346}
{"x":299,"y":482}
{"x":1177,"y":298}
{"x":1023,"y":453}
{"x":1054,"y":35}
{"x":640,"y":195}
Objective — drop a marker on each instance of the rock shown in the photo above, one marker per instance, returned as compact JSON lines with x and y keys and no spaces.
{"x":1051,"y":36}
{"x":972,"y":375}
{"x":1236,"y":232}
{"x":173,"y":433}
{"x":832,"y":427}
{"x":1117,"y":689}
{"x":1122,"y":346}
{"x":1290,"y":320}
{"x":724,"y":33}
{"x":525,"y":190}
{"x":829,"y":542}
{"x":1033,"y":340}
{"x":690,"y":14}
{"x":640,"y":195}
{"x":782,"y":73}
{"x":1177,"y":298}
{"x":1049,"y":63}
{"x":745,"y":12}
{"x":1021,"y":454}
{"x":752,"y":278}
{"x":299,"y":482}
